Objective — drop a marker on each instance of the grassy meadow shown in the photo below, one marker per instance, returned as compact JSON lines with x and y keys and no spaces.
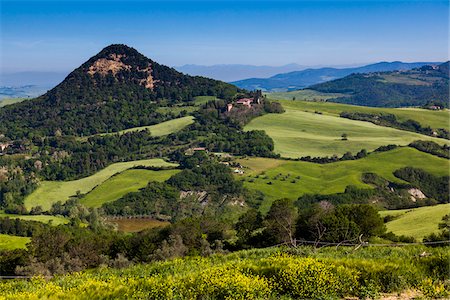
{"x":434,"y":119}
{"x":302,"y":95}
{"x":161,"y":129}
{"x":50,"y":192}
{"x":123,"y":183}
{"x":416,"y":222}
{"x":164,"y":128}
{"x":200,"y":100}
{"x":297,"y":133}
{"x":54,"y":220}
{"x":299,"y":177}
{"x":11,"y":242}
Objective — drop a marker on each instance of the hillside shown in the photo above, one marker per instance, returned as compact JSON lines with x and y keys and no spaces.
{"x":416,"y":222}
{"x":301,"y":79}
{"x":50,"y":192}
{"x":426,"y":117}
{"x":298,"y":133}
{"x":301,"y":177}
{"x":116,"y":89}
{"x":415,"y":87}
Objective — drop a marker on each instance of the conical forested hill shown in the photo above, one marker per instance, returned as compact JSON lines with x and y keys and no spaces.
{"x":116,"y":89}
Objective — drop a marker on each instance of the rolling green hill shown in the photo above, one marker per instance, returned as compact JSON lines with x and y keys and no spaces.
{"x":50,"y":192}
{"x":123,"y":183}
{"x":432,"y":118}
{"x":297,"y":133}
{"x":11,"y":242}
{"x":260,"y":173}
{"x":416,"y":222}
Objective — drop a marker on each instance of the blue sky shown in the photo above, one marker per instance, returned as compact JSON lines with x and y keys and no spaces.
{"x":60,"y":35}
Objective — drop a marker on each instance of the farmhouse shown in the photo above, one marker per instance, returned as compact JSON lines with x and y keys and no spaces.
{"x":245,"y":101}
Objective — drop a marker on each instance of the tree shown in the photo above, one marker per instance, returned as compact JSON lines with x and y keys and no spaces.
{"x":344,"y":137}
{"x":280,"y":222}
{"x":246,"y":226}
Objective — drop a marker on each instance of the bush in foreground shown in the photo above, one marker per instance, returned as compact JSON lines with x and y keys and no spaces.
{"x":273,"y":273}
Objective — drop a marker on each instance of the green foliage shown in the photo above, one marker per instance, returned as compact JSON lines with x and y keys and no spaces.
{"x":328,"y":273}
{"x":325,"y":223}
{"x":280,"y":223}
{"x":156,"y":199}
{"x":20,"y":227}
{"x":432,"y":148}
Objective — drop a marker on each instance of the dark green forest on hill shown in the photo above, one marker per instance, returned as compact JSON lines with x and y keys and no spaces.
{"x":392,"y":89}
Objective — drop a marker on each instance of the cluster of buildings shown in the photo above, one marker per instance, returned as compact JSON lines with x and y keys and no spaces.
{"x":247,"y":102}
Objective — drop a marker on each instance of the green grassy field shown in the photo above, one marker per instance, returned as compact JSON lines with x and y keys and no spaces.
{"x":416,"y":222}
{"x":50,"y":192}
{"x":199,"y":100}
{"x":11,"y":242}
{"x":55,"y":220}
{"x":164,"y":128}
{"x":305,"y":95}
{"x":434,"y":119}
{"x":333,"y":177}
{"x":297,"y":133}
{"x":123,"y":183}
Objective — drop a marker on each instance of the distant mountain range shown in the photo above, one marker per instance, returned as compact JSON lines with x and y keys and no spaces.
{"x":26,"y":91}
{"x":416,"y":87}
{"x":235,"y":72}
{"x":300,"y":79}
